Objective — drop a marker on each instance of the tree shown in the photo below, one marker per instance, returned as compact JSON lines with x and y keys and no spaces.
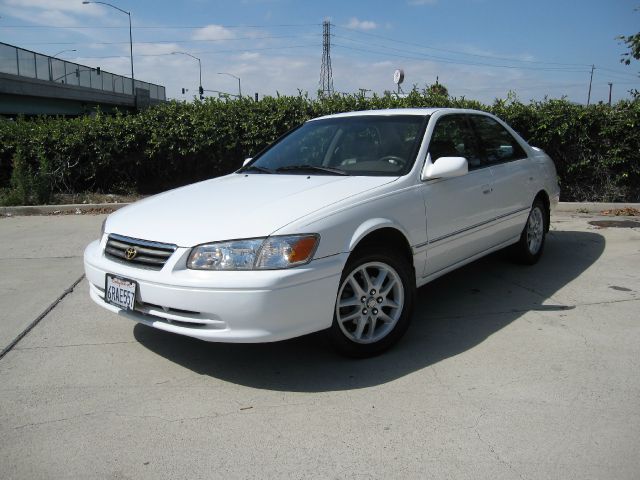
{"x":437,"y":89}
{"x":633,"y":44}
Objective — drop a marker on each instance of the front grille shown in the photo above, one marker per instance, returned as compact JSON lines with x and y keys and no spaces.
{"x":133,"y":251}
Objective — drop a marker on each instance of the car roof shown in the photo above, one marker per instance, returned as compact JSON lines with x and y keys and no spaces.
{"x":398,"y":111}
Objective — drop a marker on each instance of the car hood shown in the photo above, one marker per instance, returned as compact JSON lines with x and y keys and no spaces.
{"x":234,"y":206}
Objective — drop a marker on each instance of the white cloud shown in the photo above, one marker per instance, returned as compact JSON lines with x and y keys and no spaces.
{"x":63,"y":13}
{"x":361,"y":24}
{"x":213,"y":32}
{"x":247,"y":56}
{"x":60,"y":5}
{"x":422,"y":2}
{"x":155,"y":48}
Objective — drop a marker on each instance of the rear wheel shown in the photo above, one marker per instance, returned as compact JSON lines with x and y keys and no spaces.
{"x":533,"y":235}
{"x":374,"y":303}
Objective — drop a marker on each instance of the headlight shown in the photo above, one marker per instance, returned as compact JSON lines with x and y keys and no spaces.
{"x":270,"y":253}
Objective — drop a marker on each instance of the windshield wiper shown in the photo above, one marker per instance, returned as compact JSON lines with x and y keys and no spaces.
{"x":255,"y":168}
{"x":311,"y":168}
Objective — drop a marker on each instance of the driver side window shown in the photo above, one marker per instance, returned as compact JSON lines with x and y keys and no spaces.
{"x":452,"y":138}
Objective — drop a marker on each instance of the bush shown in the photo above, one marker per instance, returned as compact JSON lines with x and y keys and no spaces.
{"x":596,"y":147}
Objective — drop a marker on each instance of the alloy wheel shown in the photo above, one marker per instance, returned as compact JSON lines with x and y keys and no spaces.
{"x":370,"y":302}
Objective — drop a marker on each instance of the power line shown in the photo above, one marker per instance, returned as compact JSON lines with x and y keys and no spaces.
{"x":460,"y":62}
{"x":177,"y":27}
{"x":169,"y":41}
{"x":215,"y":52}
{"x":618,"y":72}
{"x":449,"y":60}
{"x":457,"y":52}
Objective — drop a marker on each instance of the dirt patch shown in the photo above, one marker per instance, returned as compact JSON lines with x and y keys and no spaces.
{"x":88,"y":197}
{"x":615,"y":223}
{"x":87,"y":211}
{"x":622,"y":212}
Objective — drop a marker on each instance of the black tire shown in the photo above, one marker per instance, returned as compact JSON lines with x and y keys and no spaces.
{"x":531,"y":245}
{"x":375,"y":313}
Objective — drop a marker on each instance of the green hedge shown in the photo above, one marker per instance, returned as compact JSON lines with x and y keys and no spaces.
{"x":596,"y":148}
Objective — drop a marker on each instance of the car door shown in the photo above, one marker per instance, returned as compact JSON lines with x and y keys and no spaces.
{"x":513,"y":176}
{"x":458,"y":209}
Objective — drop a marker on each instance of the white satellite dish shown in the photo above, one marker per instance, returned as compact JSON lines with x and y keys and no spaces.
{"x":398,"y":76}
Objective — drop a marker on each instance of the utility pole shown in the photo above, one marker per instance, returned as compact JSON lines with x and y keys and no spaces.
{"x":363,"y":91}
{"x":593,"y":67}
{"x":326,"y":75}
{"x":610,"y":88}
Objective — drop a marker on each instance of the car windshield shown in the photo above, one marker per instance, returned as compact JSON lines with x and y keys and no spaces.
{"x":360,"y":145}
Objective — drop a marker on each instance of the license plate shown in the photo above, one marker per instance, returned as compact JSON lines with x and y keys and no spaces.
{"x":120,"y":292}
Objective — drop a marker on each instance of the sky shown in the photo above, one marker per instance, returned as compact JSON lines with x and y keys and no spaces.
{"x":479,"y":49}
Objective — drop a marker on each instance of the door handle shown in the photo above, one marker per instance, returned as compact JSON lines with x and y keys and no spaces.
{"x":486,"y":189}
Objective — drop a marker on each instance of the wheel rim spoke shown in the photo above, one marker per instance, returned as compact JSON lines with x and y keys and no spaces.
{"x":390,"y":284}
{"x":382,"y":276}
{"x":350,"y":302}
{"x":357,"y":289}
{"x":389,"y":303}
{"x":385,"y":318}
{"x":371,"y":321}
{"x":351,"y":316}
{"x":362,"y":322}
{"x":367,"y":280}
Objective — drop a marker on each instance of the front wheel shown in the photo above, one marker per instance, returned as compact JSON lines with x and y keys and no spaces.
{"x":532,"y":239}
{"x":374,"y":303}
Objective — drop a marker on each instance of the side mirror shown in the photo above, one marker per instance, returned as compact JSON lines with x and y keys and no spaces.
{"x":246,"y":160}
{"x":445,"y":167}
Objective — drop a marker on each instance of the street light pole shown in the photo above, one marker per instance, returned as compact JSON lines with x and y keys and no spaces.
{"x":237,"y":78}
{"x":86,"y":2}
{"x":54,"y":56}
{"x":200,"y":89}
{"x":63,"y":51}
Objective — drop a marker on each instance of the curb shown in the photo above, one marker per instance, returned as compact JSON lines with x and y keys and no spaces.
{"x":78,"y":209}
{"x":593,"y":207}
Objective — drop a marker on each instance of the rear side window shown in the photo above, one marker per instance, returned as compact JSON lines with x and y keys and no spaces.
{"x":497,"y":145}
{"x":452,"y":138}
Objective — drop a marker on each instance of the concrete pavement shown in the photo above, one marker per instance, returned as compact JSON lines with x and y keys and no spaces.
{"x":40,"y":258}
{"x":506,"y":372}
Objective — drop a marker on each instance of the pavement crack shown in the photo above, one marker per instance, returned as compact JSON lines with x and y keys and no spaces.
{"x":533,"y":308}
{"x":446,"y":386}
{"x":35,"y":322}
{"x":174,"y":420}
{"x":57,"y":420}
{"x":607,"y":302}
{"x":44,"y":347}
{"x":496,"y":455}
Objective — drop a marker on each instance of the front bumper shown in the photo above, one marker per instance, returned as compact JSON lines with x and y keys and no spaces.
{"x":242,"y":307}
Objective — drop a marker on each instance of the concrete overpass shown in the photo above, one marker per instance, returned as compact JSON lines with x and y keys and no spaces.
{"x":36,"y":84}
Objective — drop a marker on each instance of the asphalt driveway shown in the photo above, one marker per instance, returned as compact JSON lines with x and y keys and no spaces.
{"x":506,"y":372}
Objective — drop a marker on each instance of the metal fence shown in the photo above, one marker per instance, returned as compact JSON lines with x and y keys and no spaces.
{"x":25,"y":63}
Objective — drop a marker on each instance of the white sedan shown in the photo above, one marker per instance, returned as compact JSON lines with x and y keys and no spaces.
{"x":334,"y":226}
